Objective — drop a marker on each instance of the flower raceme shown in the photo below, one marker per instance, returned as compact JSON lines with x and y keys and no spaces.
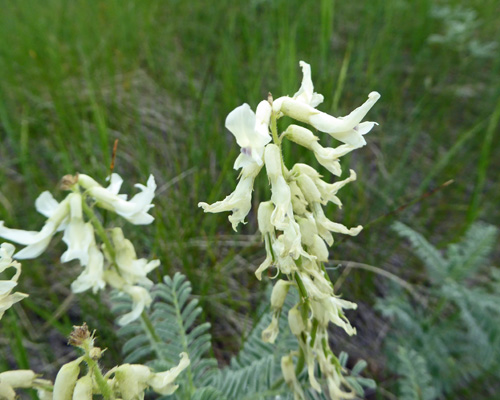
{"x":114,"y":262}
{"x":293,"y":225}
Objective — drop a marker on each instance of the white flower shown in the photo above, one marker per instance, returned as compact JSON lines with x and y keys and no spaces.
{"x":251,"y":132}
{"x":240,"y":201}
{"x":93,"y":275}
{"x":270,"y":334}
{"x":281,"y":195}
{"x":326,"y":156}
{"x":163,"y":382}
{"x":78,"y":235}
{"x":348,"y":129}
{"x":66,"y":379}
{"x":306,"y":92}
{"x":140,"y":300}
{"x":132,"y":269}
{"x":330,"y":309}
{"x":131,"y":380}
{"x":278,"y":294}
{"x":288,"y":370}
{"x":324,"y":223}
{"x":6,"y":298}
{"x":37,"y":242}
{"x":134,"y":210}
{"x":295,"y":321}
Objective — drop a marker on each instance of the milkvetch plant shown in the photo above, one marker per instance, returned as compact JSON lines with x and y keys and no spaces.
{"x":294,"y":227}
{"x":114,"y":261}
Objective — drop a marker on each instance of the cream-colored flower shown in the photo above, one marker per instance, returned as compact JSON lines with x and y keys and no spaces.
{"x":140,"y":299}
{"x":66,"y":380}
{"x":6,"y":298}
{"x":132,"y":269}
{"x":131,"y":380}
{"x":78,"y":235}
{"x":37,"y":242}
{"x":330,"y":309}
{"x":163,"y":382}
{"x":323,"y":223}
{"x":93,"y":275}
{"x":328,"y":157}
{"x":288,"y":370}
{"x":270,"y":334}
{"x":134,"y":210}
{"x":281,"y":195}
{"x":240,"y":201}
{"x":251,"y":132}
{"x":348,"y":129}
{"x":306,"y":92}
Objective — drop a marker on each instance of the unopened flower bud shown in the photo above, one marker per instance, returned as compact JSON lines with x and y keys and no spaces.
{"x":95,"y":353}
{"x":83,"y":388}
{"x":6,"y":392}
{"x":272,"y":159}
{"x":66,"y":380}
{"x":278,"y":295}
{"x":310,"y":190}
{"x":22,"y":378}
{"x":264,"y":217}
{"x":301,"y":136}
{"x":319,"y":249}
{"x":295,"y":321}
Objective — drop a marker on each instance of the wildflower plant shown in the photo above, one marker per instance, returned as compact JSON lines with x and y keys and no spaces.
{"x":294,"y":227}
{"x":113,"y":262}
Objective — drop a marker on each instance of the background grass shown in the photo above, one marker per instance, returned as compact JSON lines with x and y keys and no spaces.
{"x":161,"y":76}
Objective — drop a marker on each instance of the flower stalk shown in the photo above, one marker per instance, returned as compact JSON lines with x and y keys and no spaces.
{"x":293,"y":225}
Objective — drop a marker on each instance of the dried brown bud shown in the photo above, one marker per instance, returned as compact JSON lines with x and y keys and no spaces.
{"x":270,"y":98}
{"x":68,"y":181}
{"x":79,"y":335}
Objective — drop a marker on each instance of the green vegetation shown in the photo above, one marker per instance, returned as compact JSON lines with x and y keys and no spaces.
{"x":161,"y":76}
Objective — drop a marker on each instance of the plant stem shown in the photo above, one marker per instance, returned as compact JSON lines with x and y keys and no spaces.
{"x":95,"y":371}
{"x":99,"y":229}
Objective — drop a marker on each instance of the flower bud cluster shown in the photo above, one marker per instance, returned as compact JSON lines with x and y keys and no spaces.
{"x":294,"y":227}
{"x":114,"y":262}
{"x":7,"y":298}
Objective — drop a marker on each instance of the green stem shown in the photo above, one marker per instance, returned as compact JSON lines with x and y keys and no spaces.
{"x":314,"y":331}
{"x":99,"y":229}
{"x":274,"y":130}
{"x":105,"y":390}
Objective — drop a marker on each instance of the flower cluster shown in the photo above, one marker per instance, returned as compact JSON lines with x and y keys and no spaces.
{"x":114,"y":262}
{"x":127,"y":381}
{"x":293,"y":225}
{"x":7,"y":299}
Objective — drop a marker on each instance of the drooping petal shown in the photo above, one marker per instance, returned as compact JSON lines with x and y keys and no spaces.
{"x":240,"y":201}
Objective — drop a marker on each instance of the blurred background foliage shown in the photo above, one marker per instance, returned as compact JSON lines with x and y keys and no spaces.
{"x":161,"y":76}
